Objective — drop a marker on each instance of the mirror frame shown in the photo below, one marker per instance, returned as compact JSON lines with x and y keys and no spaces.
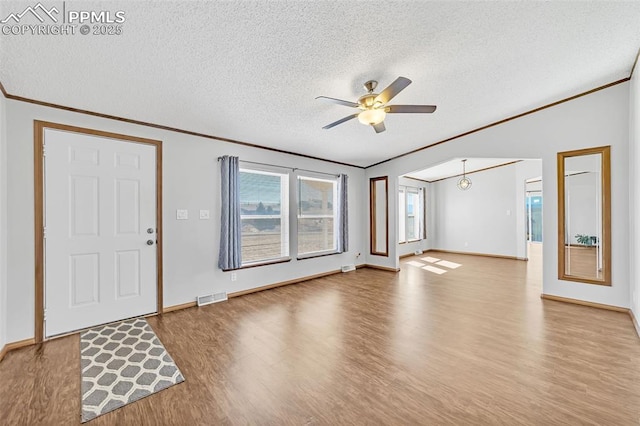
{"x":605,"y":165}
{"x":372,"y":215}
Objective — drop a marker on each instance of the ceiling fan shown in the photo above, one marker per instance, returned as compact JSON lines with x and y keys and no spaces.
{"x":374,"y":106}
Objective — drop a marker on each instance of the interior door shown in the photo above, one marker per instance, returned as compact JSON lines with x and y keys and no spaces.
{"x":100,"y":230}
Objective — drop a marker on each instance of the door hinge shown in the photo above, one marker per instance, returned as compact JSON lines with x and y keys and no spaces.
{"x":44,"y":316}
{"x":44,"y":232}
{"x":44,"y":150}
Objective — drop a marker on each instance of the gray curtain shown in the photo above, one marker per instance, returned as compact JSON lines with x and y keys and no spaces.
{"x":343,"y":213}
{"x":230,"y":256}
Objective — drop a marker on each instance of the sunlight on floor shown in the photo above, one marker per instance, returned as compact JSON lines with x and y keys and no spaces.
{"x":434,"y":269}
{"x":434,"y":260}
{"x":450,"y":265}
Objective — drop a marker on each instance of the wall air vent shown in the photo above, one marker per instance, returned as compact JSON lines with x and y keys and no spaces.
{"x":348,"y":268}
{"x":208,"y":299}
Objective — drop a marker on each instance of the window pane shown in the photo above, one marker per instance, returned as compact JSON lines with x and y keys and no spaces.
{"x":316,"y":197}
{"x":316,"y":212}
{"x":260,"y":194}
{"x":261,"y":239}
{"x":315,"y":234}
{"x":263,"y":208}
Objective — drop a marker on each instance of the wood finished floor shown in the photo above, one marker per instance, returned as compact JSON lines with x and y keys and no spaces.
{"x":475,"y":345}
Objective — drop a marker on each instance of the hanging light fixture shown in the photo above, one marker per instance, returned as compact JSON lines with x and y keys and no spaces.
{"x":464,"y":183}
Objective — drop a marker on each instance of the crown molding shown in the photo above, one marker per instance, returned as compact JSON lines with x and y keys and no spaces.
{"x":497,"y":123}
{"x":476,"y":171}
{"x":8,"y":95}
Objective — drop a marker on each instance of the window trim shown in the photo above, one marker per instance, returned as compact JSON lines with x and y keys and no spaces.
{"x":405,"y":190}
{"x":318,"y":253}
{"x":260,"y":263}
{"x":402,"y":193}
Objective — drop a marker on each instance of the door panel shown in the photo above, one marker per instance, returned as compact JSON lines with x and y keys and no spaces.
{"x":83,"y":200}
{"x":100,"y":199}
{"x":84,"y":279}
{"x":128,"y":273}
{"x":127,"y":207}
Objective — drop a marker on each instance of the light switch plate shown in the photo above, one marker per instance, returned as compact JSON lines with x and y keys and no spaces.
{"x":204,"y":214}
{"x":182,"y":214}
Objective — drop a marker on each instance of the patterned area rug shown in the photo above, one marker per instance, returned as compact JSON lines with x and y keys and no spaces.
{"x":122,"y":363}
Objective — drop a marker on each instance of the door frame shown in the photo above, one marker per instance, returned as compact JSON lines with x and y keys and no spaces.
{"x":38,"y":170}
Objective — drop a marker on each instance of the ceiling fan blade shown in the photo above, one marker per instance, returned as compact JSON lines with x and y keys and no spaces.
{"x":342,"y":120}
{"x":425,"y":109}
{"x":379,"y":128}
{"x":393,"y":89}
{"x":339,"y":101}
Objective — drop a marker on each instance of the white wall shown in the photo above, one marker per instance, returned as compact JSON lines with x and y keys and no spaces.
{"x":634,"y":193}
{"x":489,"y":217}
{"x":190,"y":181}
{"x":600,"y":118}
{"x":481,"y":219}
{"x":3,"y":224}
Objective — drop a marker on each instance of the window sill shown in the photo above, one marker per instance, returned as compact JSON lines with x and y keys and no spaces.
{"x":317,"y":254}
{"x":264,"y":263}
{"x":411,"y":241}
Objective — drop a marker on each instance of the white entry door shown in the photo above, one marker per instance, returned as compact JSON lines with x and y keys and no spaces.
{"x":100,"y":230}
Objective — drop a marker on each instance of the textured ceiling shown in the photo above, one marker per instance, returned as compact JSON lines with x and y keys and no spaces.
{"x":250,"y":71}
{"x":454,"y":167}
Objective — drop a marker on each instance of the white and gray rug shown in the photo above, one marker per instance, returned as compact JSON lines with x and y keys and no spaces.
{"x":122,"y":363}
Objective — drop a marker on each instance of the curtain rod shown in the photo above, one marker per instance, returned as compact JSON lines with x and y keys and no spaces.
{"x":286,"y":167}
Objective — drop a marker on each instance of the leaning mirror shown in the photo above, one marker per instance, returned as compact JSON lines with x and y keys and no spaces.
{"x":584,"y":215}
{"x":379,"y":215}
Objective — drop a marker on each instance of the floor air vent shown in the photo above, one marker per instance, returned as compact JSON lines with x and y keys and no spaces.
{"x":348,"y":268}
{"x":419,"y":251}
{"x":208,"y":299}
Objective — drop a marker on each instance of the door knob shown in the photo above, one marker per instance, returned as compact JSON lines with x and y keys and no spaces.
{"x":149,"y":242}
{"x":149,"y":230}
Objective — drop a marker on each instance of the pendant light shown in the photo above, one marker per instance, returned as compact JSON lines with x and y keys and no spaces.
{"x":464,"y":183}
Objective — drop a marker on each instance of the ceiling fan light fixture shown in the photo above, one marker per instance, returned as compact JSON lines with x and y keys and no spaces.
{"x":374,"y":106}
{"x":372,"y":116}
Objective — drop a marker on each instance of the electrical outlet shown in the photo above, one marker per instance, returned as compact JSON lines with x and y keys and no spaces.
{"x":234,"y":276}
{"x":204,"y":214}
{"x":466,"y":244}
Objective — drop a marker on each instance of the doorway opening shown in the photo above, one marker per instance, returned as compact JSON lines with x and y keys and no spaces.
{"x":533,"y":218}
{"x":98,"y":228}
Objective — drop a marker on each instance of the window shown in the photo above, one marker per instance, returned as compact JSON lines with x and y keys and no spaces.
{"x":317,"y":204}
{"x":410,"y":214}
{"x":264,"y":214}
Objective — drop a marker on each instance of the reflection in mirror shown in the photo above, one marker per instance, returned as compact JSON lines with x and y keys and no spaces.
{"x":584,"y":204}
{"x":379,"y":215}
